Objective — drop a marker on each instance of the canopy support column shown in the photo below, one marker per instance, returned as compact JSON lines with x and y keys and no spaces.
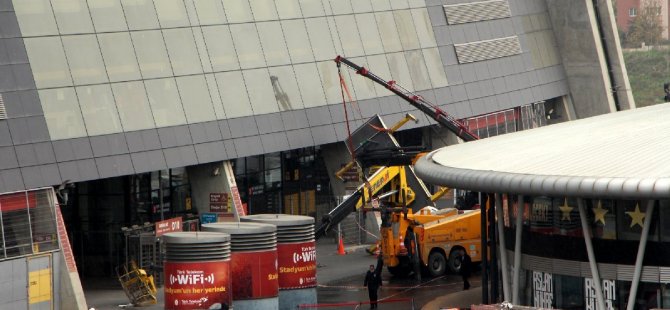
{"x":503,"y":247}
{"x":586,"y":229}
{"x":640,"y":254}
{"x":517,"y":250}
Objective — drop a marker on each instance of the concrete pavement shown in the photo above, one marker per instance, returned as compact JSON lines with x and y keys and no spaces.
{"x":331,"y":268}
{"x":107,"y":294}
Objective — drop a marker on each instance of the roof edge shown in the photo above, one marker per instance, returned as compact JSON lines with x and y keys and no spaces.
{"x":550,"y":185}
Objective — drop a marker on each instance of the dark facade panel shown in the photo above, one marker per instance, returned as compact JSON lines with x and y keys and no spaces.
{"x":6,"y":5}
{"x":318,"y":116}
{"x":248,"y":146}
{"x":148,"y":161}
{"x":114,"y":166}
{"x":22,"y":103}
{"x":35,"y":154}
{"x":229,"y":147}
{"x":15,"y":50}
{"x":28,"y":129}
{"x":390,"y":104}
{"x":11,"y":180}
{"x":210,"y":152}
{"x":107,"y":145}
{"x":143,"y":140}
{"x":269,"y":123}
{"x":38,"y":176}
{"x":274,"y":142}
{"x":324,"y":134}
{"x":9,"y":26}
{"x":225,"y":130}
{"x":243,"y":127}
{"x":7,"y":80}
{"x":369,"y":107}
{"x":5,"y":137}
{"x":24,"y":76}
{"x":180,"y":156}
{"x":78,"y":170}
{"x":8,"y":156}
{"x":71,"y":149}
{"x":294,"y":119}
{"x":299,"y":138}
{"x":205,"y":132}
{"x":174,"y":136}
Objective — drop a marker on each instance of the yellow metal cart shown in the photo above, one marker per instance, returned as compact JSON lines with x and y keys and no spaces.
{"x":137,"y":284}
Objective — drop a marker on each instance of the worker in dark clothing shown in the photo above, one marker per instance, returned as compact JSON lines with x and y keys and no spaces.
{"x":373,"y":281}
{"x":666,"y":89}
{"x":466,"y":269}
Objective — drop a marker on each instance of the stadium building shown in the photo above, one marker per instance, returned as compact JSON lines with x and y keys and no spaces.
{"x":116,"y":113}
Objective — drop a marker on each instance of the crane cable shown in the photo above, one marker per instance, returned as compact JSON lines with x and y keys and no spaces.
{"x":343,"y":89}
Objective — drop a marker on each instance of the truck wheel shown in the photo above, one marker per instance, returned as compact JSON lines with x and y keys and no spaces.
{"x":437,"y":264}
{"x":399,"y":271}
{"x":454,"y":262}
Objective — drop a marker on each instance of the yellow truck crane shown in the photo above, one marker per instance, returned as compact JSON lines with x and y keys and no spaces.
{"x":412,"y":237}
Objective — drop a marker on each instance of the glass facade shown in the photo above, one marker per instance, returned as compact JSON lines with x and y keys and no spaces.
{"x":552,"y":224}
{"x":27,"y":223}
{"x":196,"y":61}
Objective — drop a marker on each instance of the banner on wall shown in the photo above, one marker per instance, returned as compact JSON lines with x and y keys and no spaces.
{"x":543,"y":290}
{"x":609,"y":294}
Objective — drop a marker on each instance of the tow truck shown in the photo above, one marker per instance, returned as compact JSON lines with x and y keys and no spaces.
{"x":412,"y":237}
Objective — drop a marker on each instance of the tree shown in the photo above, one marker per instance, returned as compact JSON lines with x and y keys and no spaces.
{"x":646,"y":27}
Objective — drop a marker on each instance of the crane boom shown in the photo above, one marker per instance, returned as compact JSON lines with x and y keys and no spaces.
{"x":439,"y":115}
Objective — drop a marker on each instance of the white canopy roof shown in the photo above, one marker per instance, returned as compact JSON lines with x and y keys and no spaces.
{"x":620,"y":155}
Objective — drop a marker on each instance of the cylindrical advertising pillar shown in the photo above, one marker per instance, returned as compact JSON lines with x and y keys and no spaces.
{"x":296,"y":254}
{"x":253,"y":263}
{"x":197,"y":270}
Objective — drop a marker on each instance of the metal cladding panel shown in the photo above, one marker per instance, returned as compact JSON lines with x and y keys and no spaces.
{"x":607,"y":271}
{"x":566,"y":267}
{"x":537,"y":263}
{"x":625,"y":272}
{"x":476,"y":11}
{"x":664,"y":274}
{"x":607,"y":156}
{"x":489,"y":49}
{"x":3,"y":111}
{"x":650,"y":274}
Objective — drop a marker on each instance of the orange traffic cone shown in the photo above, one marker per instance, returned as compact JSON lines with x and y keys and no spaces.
{"x":340,"y":248}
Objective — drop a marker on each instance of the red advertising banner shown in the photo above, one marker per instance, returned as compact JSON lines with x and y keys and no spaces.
{"x":197,"y":285}
{"x":254,"y":275}
{"x":166,"y":226}
{"x":297,"y":265}
{"x":18,"y":201}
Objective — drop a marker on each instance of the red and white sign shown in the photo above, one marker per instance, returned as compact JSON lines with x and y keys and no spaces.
{"x":166,"y":226}
{"x":197,"y":285}
{"x":255,"y":275}
{"x":297,"y":265}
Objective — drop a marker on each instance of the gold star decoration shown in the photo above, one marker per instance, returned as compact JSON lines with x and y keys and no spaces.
{"x":565,"y":211}
{"x":636,"y":216}
{"x":599,"y":212}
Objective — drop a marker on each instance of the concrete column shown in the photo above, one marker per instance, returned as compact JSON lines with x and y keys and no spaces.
{"x":623,"y":92}
{"x":577,"y":34}
{"x":210,"y":178}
